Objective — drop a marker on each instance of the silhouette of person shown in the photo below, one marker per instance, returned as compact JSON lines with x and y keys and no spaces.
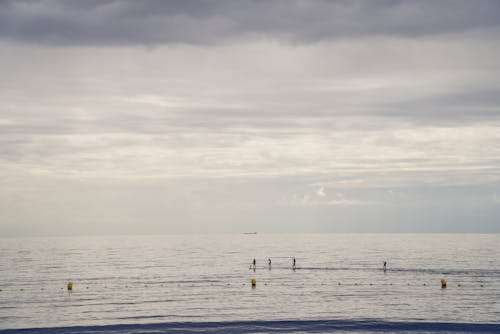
{"x":385,"y":265}
{"x":293,"y":263}
{"x":269,"y":262}
{"x":254,"y":263}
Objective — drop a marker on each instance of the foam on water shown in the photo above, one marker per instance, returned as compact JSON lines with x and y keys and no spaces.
{"x":338,"y":281}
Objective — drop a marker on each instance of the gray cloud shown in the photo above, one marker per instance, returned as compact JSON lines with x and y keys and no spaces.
{"x":242,"y":111}
{"x":216,"y":22}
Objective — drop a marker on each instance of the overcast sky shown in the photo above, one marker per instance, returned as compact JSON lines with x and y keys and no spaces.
{"x":233,"y":116}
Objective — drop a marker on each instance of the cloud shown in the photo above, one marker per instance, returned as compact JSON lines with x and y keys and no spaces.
{"x":254,"y":110}
{"x":216,"y":22}
{"x":321,"y":192}
{"x":236,"y":106}
{"x":495,"y":198}
{"x":321,"y":199}
{"x":341,"y":200}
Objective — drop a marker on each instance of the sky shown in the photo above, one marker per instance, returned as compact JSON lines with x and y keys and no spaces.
{"x":154,"y":117}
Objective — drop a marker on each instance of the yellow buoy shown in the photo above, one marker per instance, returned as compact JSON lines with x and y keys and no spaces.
{"x":443,"y":283}
{"x":254,"y":282}
{"x":70,"y":285}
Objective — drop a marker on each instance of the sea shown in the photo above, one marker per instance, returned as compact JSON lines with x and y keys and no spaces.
{"x":203,"y":284}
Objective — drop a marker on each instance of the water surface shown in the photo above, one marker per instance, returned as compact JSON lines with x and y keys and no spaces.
{"x":206,"y":279}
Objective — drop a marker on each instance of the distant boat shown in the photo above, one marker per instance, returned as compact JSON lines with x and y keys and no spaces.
{"x":250,"y":233}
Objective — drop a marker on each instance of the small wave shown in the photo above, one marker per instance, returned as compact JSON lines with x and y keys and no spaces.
{"x":6,"y":307}
{"x":140,"y":317}
{"x":276,"y":326}
{"x":470,"y":272}
{"x":198,"y":281}
{"x":158,"y":316}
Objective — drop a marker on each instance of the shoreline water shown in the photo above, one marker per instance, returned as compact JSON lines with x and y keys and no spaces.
{"x":274,"y":326}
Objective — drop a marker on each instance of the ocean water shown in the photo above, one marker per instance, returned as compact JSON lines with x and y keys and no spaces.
{"x":202,"y":283}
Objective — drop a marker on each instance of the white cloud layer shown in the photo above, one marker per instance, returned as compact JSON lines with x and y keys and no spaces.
{"x":267,"y":123}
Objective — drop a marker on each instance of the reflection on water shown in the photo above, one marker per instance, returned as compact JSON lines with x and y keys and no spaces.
{"x":157,"y":279}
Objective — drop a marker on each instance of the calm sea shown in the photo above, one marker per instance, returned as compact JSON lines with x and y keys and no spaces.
{"x":155,"y":284}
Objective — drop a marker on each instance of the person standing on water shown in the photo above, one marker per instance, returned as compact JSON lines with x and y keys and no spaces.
{"x":293,"y":263}
{"x":253,"y":263}
{"x":385,"y":265}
